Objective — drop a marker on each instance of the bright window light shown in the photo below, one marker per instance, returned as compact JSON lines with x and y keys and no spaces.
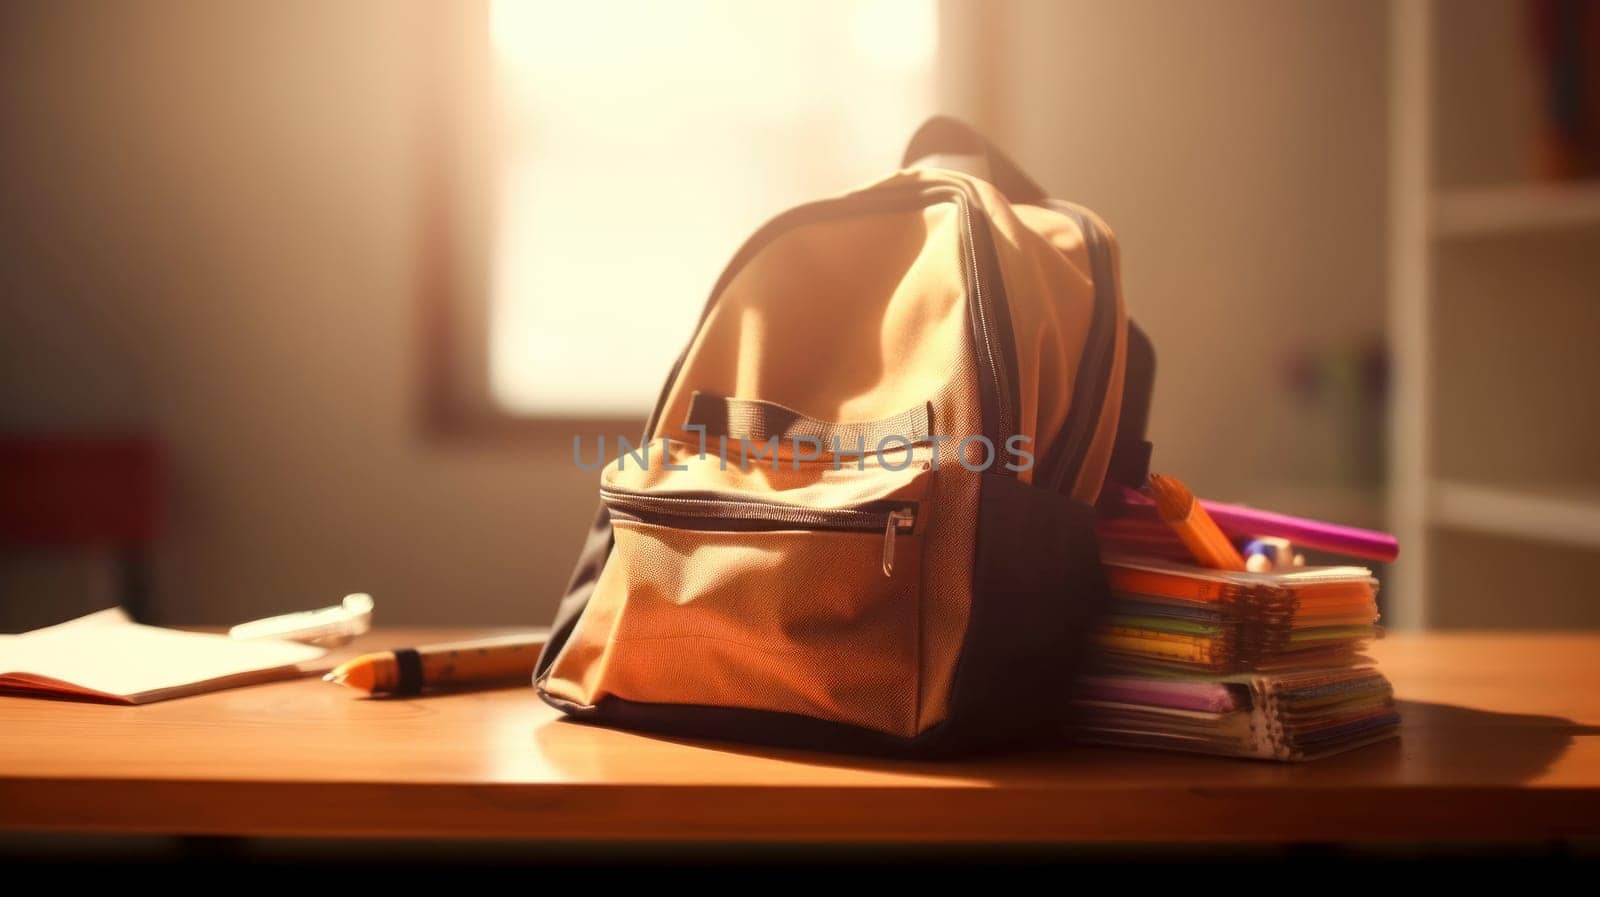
{"x":640,"y":142}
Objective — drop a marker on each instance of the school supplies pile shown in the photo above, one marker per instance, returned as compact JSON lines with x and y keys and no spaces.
{"x":1221,"y":660}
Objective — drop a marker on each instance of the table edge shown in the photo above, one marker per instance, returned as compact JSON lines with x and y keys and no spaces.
{"x":816,"y":814}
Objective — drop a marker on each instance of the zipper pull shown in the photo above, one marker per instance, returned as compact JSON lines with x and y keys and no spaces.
{"x":903,"y":515}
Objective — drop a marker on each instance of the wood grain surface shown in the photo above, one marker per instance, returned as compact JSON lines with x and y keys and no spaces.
{"x":1501,"y":739}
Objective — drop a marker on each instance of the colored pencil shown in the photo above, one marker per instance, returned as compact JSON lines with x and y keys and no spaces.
{"x":1193,"y":525}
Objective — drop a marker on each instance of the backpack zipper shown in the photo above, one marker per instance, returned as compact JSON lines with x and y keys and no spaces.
{"x":708,"y":511}
{"x":987,"y":328}
{"x":1089,"y":392}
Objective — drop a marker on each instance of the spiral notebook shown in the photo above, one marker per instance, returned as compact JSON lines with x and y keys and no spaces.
{"x":107,"y":657}
{"x":1260,"y":665}
{"x":1284,"y":716}
{"x":1183,"y":617}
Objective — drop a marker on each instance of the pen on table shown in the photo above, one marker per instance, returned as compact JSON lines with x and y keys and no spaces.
{"x":409,"y":671}
{"x":1193,"y":525}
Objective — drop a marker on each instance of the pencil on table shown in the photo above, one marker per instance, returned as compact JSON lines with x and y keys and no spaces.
{"x":409,"y":671}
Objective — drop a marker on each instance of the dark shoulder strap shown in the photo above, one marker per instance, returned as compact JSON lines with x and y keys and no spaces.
{"x":1130,"y":459}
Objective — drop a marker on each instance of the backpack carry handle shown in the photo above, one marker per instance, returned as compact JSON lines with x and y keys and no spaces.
{"x":945,"y":142}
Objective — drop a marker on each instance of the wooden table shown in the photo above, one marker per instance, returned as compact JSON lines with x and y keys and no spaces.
{"x":1500,"y":741}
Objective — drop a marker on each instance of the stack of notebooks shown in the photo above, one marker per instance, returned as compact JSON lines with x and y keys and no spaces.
{"x":1264,"y":665}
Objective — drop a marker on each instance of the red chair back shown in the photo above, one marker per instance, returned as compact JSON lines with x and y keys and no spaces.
{"x":79,"y":491}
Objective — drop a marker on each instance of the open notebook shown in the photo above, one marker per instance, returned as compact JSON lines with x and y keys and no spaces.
{"x":107,"y":657}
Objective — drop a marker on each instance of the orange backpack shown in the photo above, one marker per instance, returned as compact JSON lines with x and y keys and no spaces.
{"x":861,"y":518}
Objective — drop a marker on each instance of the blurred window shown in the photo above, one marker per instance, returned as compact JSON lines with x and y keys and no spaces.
{"x":639,"y":143}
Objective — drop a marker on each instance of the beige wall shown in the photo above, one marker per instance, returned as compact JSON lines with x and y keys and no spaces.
{"x":1238,"y":147}
{"x":209,"y":218}
{"x":209,"y":213}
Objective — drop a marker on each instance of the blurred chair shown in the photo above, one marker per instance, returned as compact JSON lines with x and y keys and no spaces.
{"x":87,"y":494}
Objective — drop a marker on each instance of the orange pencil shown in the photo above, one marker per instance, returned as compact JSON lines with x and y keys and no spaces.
{"x":1178,"y":586}
{"x":409,"y":671}
{"x":1193,"y":525}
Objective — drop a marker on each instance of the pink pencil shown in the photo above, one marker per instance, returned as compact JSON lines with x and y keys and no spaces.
{"x":1244,"y":522}
{"x":1211,"y":697}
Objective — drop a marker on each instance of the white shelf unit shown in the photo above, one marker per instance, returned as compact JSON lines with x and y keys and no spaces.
{"x":1543,"y":515}
{"x":1425,"y":500}
{"x":1488,"y":211}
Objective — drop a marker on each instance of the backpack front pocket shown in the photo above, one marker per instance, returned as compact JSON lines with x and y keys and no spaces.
{"x":803,"y":599}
